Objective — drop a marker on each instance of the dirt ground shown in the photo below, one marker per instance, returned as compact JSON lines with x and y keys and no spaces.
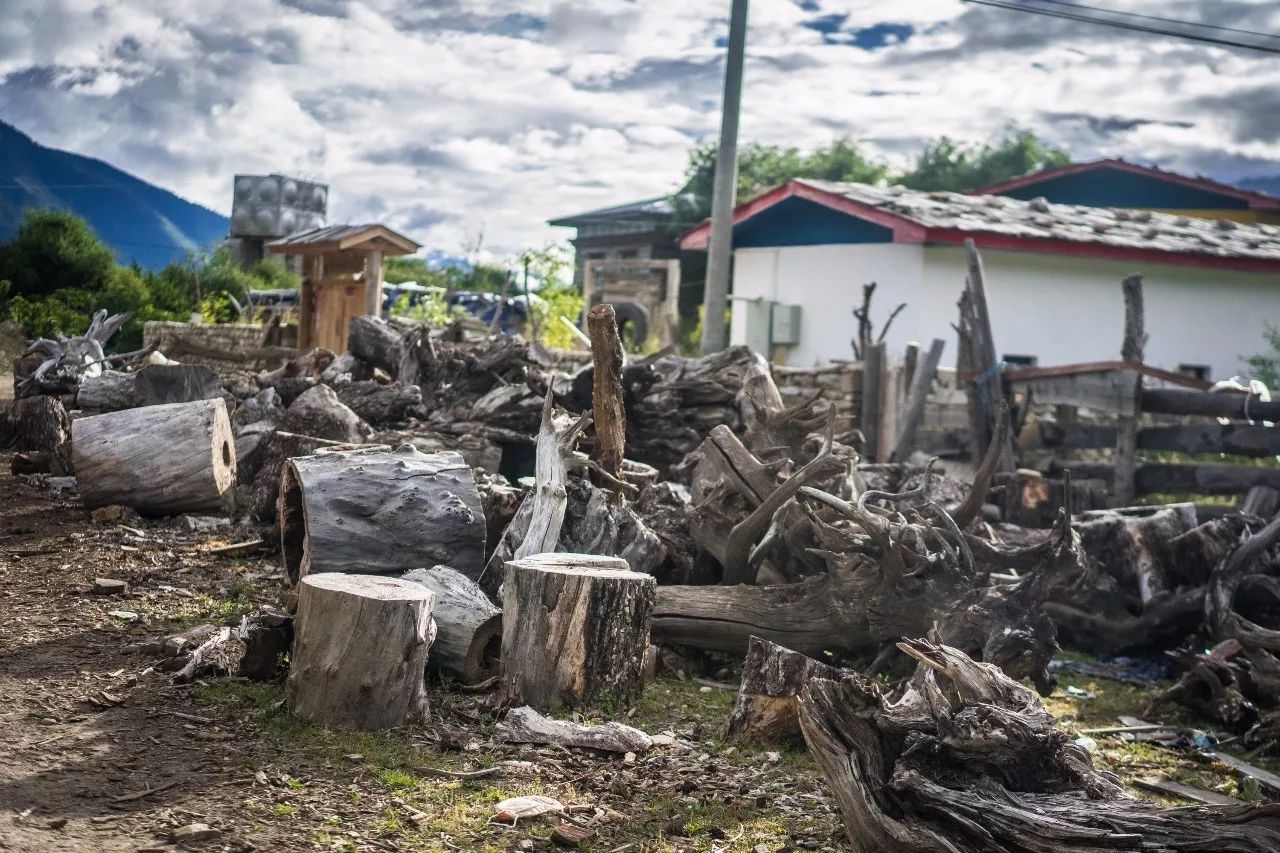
{"x":100,"y":751}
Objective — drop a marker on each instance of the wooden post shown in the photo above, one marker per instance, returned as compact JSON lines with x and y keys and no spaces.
{"x":873,"y":378}
{"x":360,"y":651}
{"x":574,"y":631}
{"x":312,"y":276}
{"x":916,"y":399}
{"x":978,"y":355}
{"x":468,"y":627}
{"x":606,"y":390}
{"x":160,"y":460}
{"x":373,"y":283}
{"x":1127,"y":428}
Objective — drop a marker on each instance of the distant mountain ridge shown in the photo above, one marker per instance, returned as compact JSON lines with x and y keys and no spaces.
{"x":141,"y":222}
{"x":1269,"y":184}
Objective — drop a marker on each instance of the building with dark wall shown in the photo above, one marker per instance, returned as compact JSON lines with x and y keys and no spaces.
{"x":641,"y":230}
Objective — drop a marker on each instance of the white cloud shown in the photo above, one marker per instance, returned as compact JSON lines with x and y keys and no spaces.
{"x":449,"y":114}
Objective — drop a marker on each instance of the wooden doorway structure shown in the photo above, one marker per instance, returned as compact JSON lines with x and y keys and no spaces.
{"x":341,"y":277}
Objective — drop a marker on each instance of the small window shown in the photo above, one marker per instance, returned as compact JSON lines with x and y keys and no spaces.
{"x":1195,"y":371}
{"x":1020,"y":360}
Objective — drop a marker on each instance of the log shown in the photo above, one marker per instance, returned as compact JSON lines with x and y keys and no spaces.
{"x":153,"y":385}
{"x":274,"y":450}
{"x":1133,"y":545}
{"x":772,"y":677}
{"x":380,"y":513}
{"x":360,"y":651}
{"x":160,"y":460}
{"x":1262,"y":501}
{"x":606,"y":397}
{"x":1200,"y":478}
{"x":38,"y":423}
{"x":1208,"y":436}
{"x":379,"y":404}
{"x":921,"y":381}
{"x":574,"y":631}
{"x":525,"y":725}
{"x":1228,"y":404}
{"x":468,"y":627}
{"x":318,"y":412}
{"x":375,"y":341}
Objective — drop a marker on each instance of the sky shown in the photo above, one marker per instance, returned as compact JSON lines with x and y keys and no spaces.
{"x":452,"y":119}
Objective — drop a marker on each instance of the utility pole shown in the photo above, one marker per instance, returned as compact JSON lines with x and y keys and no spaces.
{"x":720,"y":249}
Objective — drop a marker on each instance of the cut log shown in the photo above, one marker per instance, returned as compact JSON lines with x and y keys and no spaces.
{"x":379,"y":513}
{"x":606,"y":396}
{"x":360,"y":651}
{"x":319,"y":412}
{"x":160,"y":460}
{"x":574,"y":631}
{"x":1199,"y":478}
{"x":772,"y":677}
{"x":1236,"y":406}
{"x":379,"y":404}
{"x":375,"y":341}
{"x":468,"y":627}
{"x":525,"y":725}
{"x":38,"y":423}
{"x":153,"y":385}
{"x":274,"y":450}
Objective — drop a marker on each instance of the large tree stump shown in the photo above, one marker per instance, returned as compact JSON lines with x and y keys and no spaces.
{"x":574,"y":630}
{"x":37,"y":423}
{"x":380,"y":513}
{"x":160,"y":460}
{"x":360,"y":651}
{"x":772,"y":677}
{"x":468,"y":626}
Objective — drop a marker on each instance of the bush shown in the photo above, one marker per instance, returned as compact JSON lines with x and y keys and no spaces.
{"x":556,"y":302}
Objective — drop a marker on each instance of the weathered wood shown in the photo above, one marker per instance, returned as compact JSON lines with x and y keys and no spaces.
{"x":1133,"y":545}
{"x":360,"y":651}
{"x":525,"y":725}
{"x":1111,"y":391}
{"x":574,"y":631}
{"x":152,"y":385}
{"x":606,"y":398}
{"x":38,"y":423}
{"x":251,"y":650}
{"x":160,"y":460}
{"x":772,"y":677}
{"x":319,"y":412}
{"x":378,"y":404}
{"x":873,"y":381}
{"x":1207,"y":436}
{"x":1126,"y":459}
{"x":1200,"y":478}
{"x":1262,"y":501}
{"x":1228,"y":404}
{"x":375,"y":341}
{"x":468,"y":627}
{"x":274,"y":450}
{"x":921,"y":381}
{"x":379,"y":512}
{"x":978,"y":348}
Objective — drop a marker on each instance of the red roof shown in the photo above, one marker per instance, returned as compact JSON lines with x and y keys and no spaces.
{"x":1255,"y":200}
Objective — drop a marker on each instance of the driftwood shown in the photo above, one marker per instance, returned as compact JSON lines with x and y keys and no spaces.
{"x":66,"y":361}
{"x":964,"y":759}
{"x":468,"y":627}
{"x":319,"y":412}
{"x":379,"y":512}
{"x":251,"y":650}
{"x":360,"y":651}
{"x":160,"y":460}
{"x":525,"y":725}
{"x":574,"y":631}
{"x":152,"y":385}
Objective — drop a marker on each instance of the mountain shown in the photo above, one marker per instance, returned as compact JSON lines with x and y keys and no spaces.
{"x":142,"y":223}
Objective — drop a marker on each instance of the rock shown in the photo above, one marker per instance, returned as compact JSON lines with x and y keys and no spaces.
{"x":193,"y":832}
{"x":126,"y":615}
{"x":109,"y":514}
{"x":110,"y":586}
{"x":57,"y":823}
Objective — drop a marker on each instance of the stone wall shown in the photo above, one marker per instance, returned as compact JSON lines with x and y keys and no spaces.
{"x":228,"y":337}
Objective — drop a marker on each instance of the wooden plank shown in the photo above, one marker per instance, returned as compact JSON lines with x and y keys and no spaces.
{"x":873,"y":377}
{"x":1185,"y":792}
{"x":1025,"y":374}
{"x":1175,"y":401}
{"x":1204,"y":437}
{"x":916,"y":398}
{"x":1205,"y":478}
{"x":1112,"y":392}
{"x":1269,"y":781}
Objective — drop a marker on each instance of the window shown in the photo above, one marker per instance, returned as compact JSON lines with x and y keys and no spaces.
{"x":1195,"y":371}
{"x":1020,"y":360}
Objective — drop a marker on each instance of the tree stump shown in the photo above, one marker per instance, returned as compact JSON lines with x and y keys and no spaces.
{"x":360,"y":651}
{"x":765,"y":710}
{"x":468,"y":626}
{"x":38,"y":423}
{"x":160,"y":460}
{"x":574,"y":630}
{"x":380,"y":513}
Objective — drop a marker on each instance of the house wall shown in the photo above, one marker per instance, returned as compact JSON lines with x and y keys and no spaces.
{"x":1059,"y":309}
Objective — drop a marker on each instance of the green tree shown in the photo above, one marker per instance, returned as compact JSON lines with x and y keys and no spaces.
{"x":761,"y":167}
{"x":948,"y":165}
{"x":53,"y":250}
{"x":1266,"y":365}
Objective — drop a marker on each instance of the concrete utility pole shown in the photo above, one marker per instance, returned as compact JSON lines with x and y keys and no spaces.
{"x":720,"y":249}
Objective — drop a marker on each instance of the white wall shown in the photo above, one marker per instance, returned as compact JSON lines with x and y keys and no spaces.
{"x":1059,"y":309}
{"x":1070,"y":309}
{"x":826,"y":281}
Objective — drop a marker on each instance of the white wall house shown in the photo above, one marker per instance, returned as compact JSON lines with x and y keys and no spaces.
{"x":1053,"y":274}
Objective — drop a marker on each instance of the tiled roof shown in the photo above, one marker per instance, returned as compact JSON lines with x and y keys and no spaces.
{"x":1038,"y":219}
{"x":647,"y":209}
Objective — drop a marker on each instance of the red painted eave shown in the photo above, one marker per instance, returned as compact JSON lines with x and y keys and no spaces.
{"x":1255,"y":200}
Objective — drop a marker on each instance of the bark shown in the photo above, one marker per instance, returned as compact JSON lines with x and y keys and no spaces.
{"x":375,"y":341}
{"x":38,"y":423}
{"x":379,"y":512}
{"x":772,"y":677}
{"x":574,"y":631}
{"x":468,"y":627}
{"x":606,"y":398}
{"x":525,"y":725}
{"x":378,"y":404}
{"x":152,"y":385}
{"x":964,"y":759}
{"x":276,"y":448}
{"x":360,"y":652}
{"x":160,"y":460}
{"x":318,"y":412}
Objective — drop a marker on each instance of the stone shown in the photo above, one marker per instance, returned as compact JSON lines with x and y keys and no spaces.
{"x":109,"y":514}
{"x":110,"y":586}
{"x":193,"y":832}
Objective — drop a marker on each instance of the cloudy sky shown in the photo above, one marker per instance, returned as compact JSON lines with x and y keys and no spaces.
{"x":445,"y":117}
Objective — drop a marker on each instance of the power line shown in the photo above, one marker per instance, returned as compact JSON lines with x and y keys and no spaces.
{"x":1158,"y":18}
{"x":1134,"y":27}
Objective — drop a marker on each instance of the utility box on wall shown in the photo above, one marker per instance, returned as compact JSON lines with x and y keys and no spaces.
{"x":770,"y":324}
{"x":785,"y":329}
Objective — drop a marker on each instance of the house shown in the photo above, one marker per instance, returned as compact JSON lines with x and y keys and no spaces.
{"x":1053,"y":274}
{"x":1117,"y":183}
{"x":640,"y":230}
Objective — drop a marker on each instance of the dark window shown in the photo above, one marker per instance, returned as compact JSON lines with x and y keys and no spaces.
{"x":1196,"y":371}
{"x":1020,"y":360}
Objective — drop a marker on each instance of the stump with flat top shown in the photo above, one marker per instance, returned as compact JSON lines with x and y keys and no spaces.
{"x":360,"y":651}
{"x":160,"y":460}
{"x":574,"y":630}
